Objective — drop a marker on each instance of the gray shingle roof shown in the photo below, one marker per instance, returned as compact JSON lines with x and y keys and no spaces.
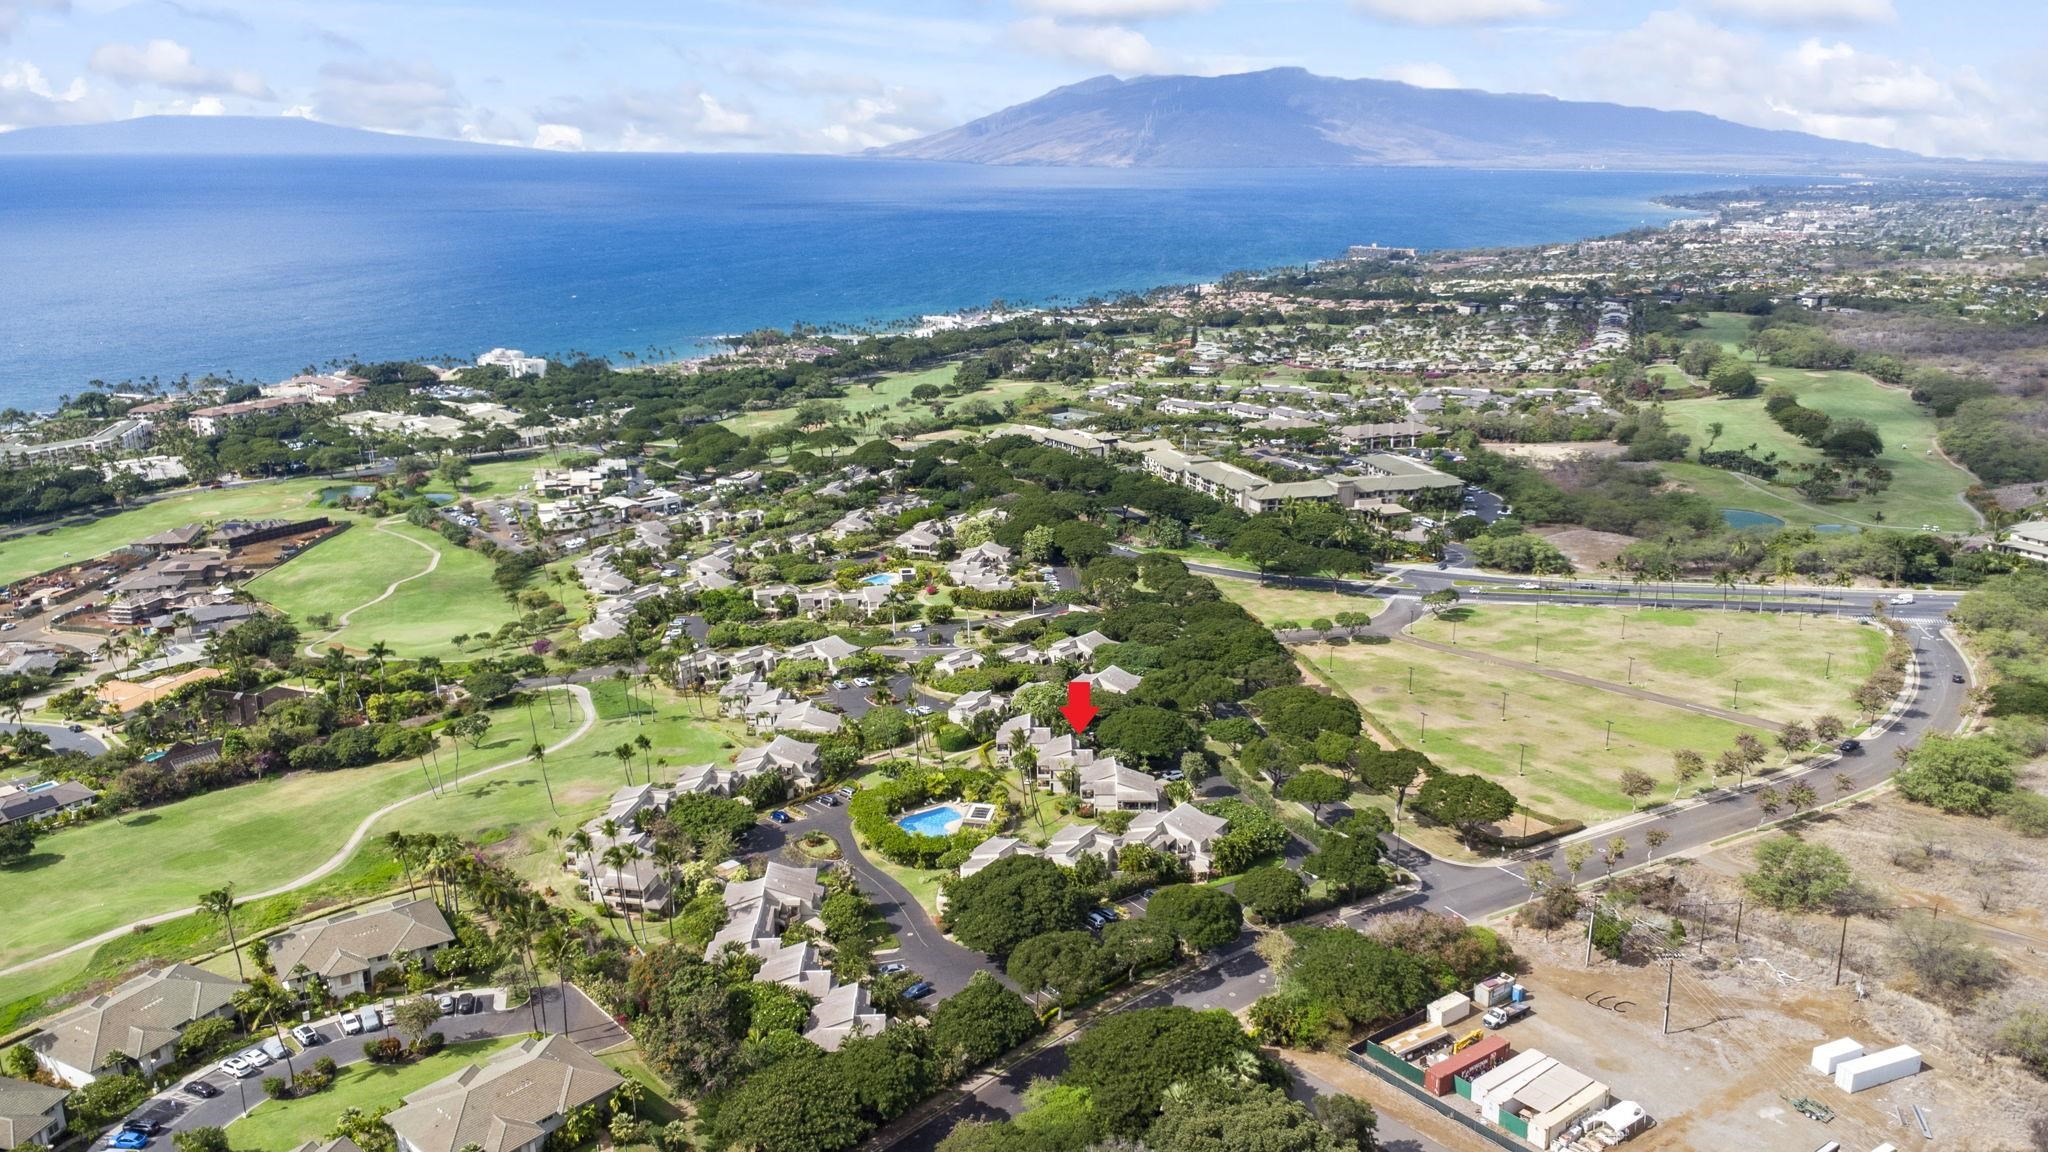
{"x":137,"y":1018}
{"x":25,"y":1109}
{"x":505,"y":1102}
{"x":349,"y":941}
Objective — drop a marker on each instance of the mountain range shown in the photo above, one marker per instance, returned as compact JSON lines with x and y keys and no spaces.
{"x":224,"y":136}
{"x":1291,"y":118}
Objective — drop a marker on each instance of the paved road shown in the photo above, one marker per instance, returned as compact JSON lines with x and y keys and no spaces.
{"x":180,"y":1111}
{"x":927,"y":951}
{"x":62,"y":738}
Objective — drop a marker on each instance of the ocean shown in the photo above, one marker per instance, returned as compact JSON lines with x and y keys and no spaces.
{"x":119,"y":268}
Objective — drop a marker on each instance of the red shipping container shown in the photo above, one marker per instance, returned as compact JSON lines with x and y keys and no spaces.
{"x":1436,"y":1079}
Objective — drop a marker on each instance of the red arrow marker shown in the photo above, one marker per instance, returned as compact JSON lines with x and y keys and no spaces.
{"x":1078,"y":710}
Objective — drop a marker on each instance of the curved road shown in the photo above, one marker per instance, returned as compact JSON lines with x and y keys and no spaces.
{"x":341,"y":855}
{"x":62,"y":738}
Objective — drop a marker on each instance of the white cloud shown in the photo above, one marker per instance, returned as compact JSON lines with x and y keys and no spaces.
{"x":169,"y":64}
{"x":559,"y":137}
{"x":1796,"y":12}
{"x":655,"y":120}
{"x":1833,"y":89}
{"x":1117,"y":9}
{"x":412,"y":97}
{"x":11,"y":12}
{"x":28,"y":99}
{"x":1444,"y":13}
{"x":1112,"y":46}
{"x":1422,"y":75}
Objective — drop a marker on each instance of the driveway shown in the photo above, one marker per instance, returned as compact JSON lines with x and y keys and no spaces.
{"x":62,"y":738}
{"x":589,"y":1026}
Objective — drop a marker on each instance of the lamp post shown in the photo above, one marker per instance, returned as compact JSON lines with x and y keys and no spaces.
{"x":1631,"y":669}
{"x":1717,"y":645}
{"x":1411,"y":679}
{"x":1830,"y":673}
{"x":1521,"y":759}
{"x":1503,"y":704}
{"x":1738,"y":693}
{"x":1610,"y":735}
{"x":1425,"y":726}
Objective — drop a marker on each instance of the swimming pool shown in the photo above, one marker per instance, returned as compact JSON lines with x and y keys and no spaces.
{"x":939,"y":821}
{"x":882,"y":578}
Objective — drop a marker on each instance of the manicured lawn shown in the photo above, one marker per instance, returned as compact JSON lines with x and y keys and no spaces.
{"x":1571,"y":769}
{"x":421,"y":618}
{"x":1925,"y":488}
{"x":89,"y":878}
{"x":1270,"y":603}
{"x":281,"y":1125}
{"x":501,"y":478}
{"x":1203,"y":554}
{"x":26,"y":555}
{"x":881,"y":396}
{"x":508,"y":812}
{"x":1782,"y":661}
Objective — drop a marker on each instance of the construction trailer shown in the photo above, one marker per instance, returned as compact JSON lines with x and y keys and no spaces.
{"x":1833,"y":1054}
{"x":1416,"y":1042}
{"x":1877,"y":1068}
{"x":1547,"y":1126}
{"x":1440,"y":1078}
{"x":1494,"y":990}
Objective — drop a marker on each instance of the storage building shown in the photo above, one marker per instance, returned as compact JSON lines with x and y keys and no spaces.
{"x":1416,"y":1041}
{"x":1546,"y":1126}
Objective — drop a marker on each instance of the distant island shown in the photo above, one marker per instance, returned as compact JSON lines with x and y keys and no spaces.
{"x":1291,"y":118}
{"x":228,"y":136}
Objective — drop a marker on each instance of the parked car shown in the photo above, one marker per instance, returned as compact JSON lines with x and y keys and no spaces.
{"x":892,"y":968}
{"x":846,"y":790}
{"x":274,"y":1048}
{"x":129,"y":1138}
{"x":372,"y":1020}
{"x":234,"y":1066}
{"x":254,"y":1057}
{"x":74,"y":727}
{"x":919,"y":990}
{"x":863,"y":682}
{"x":839,"y":685}
{"x":201,"y":1090}
{"x":447,"y":1005}
{"x":466,"y":1003}
{"x":307,"y":1035}
{"x":829,"y":800}
{"x":779,"y":816}
{"x":350,"y":1026}
{"x":143,"y":1124}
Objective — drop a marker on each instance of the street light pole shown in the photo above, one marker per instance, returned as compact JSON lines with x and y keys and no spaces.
{"x":1503,"y":704}
{"x":1738,"y":693}
{"x":1610,"y":735}
{"x":1425,"y":726}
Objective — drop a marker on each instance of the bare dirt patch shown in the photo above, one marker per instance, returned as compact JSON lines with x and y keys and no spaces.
{"x":1585,"y":548}
{"x":1558,"y":453}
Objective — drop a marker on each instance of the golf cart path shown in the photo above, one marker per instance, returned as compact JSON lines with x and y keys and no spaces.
{"x":341,"y":855}
{"x":1631,"y":691}
{"x":341,"y":622}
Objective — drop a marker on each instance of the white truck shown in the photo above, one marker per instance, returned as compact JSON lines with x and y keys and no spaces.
{"x":1903,"y":598}
{"x":1505,"y":1014}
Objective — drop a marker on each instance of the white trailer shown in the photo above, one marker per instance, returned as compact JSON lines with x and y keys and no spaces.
{"x":1877,"y":1068}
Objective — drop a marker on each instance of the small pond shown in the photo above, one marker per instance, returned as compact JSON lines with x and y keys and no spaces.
{"x":1744,"y":518}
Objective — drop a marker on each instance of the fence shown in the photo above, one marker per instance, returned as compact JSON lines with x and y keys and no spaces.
{"x":1369,"y":1055}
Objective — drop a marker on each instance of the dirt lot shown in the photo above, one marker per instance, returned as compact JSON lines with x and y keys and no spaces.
{"x":1585,"y":548}
{"x":1744,"y":1021}
{"x":1553,"y":453}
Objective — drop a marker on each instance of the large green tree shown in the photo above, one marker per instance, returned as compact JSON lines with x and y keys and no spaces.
{"x":1011,"y":901}
{"x":1200,"y":917}
{"x":1127,"y":1062}
{"x":981,"y":1021}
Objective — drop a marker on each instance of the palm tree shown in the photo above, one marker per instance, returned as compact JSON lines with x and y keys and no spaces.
{"x":266,"y":1000}
{"x":619,"y":858}
{"x":624,"y":755}
{"x":377,"y":653}
{"x":539,"y":755}
{"x":579,"y":843}
{"x":646,"y":746}
{"x":220,"y":904}
{"x":667,"y":856}
{"x":400,"y":846}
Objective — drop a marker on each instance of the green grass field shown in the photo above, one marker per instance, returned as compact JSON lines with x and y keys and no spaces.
{"x":348,"y":571}
{"x":1783,"y":662}
{"x":282,"y":1125}
{"x":1570,"y":770}
{"x":1925,"y":489}
{"x":881,"y":396}
{"x":89,"y":878}
{"x":1268,"y":603}
{"x":252,"y":835}
{"x":81,"y":540}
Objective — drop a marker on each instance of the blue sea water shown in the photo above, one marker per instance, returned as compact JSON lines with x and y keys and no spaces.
{"x":114,"y":268}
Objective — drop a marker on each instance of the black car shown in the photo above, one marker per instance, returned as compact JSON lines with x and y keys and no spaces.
{"x":918,"y":991}
{"x":144,"y":1125}
{"x":202,"y":1089}
{"x":466,"y":1003}
{"x":1849,"y":746}
{"x":1958,"y":678}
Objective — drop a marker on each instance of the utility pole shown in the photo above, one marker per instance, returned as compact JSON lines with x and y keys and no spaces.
{"x":1670,"y":967}
{"x":1591,"y":922}
{"x":1738,"y":925}
{"x":1841,"y":945}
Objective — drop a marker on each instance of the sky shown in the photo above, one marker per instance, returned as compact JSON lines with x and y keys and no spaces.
{"x":1957,"y":78}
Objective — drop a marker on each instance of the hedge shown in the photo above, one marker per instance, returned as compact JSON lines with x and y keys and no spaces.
{"x":874,"y":811}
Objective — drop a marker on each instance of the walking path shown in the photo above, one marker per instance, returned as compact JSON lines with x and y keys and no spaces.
{"x":390,"y":590}
{"x":341,"y":855}
{"x":1590,"y":682}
